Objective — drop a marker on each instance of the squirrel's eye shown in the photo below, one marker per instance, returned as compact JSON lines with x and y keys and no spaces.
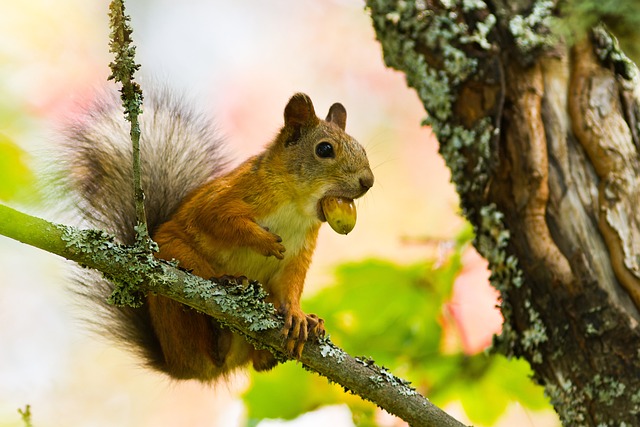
{"x":325,"y":150}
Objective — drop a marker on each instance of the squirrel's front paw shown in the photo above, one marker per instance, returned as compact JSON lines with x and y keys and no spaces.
{"x":272,"y":245}
{"x":299,"y":328}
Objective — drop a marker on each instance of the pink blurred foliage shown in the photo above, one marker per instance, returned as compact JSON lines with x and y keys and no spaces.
{"x":52,"y":59}
{"x":473,"y":306}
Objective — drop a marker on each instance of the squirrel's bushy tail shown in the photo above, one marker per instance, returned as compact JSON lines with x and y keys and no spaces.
{"x":180,"y":151}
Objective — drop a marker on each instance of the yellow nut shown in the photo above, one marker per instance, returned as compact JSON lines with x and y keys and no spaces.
{"x":340,"y":213}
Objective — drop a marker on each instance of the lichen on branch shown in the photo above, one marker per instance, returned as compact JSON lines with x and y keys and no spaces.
{"x":123,"y":68}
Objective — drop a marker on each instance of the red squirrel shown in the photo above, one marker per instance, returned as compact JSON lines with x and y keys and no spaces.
{"x":259,"y":220}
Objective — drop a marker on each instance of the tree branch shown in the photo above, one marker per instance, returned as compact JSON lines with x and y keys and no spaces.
{"x":239,"y":307}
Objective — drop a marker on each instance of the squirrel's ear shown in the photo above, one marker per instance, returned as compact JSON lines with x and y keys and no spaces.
{"x":337,"y":115}
{"x":299,"y":113}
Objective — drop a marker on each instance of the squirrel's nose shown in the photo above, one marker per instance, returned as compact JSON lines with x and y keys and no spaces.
{"x":366,"y":181}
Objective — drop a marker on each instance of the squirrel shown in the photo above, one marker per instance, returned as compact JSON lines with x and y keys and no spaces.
{"x":259,"y":220}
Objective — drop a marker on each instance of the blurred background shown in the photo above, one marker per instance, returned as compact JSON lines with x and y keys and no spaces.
{"x":404,"y":287}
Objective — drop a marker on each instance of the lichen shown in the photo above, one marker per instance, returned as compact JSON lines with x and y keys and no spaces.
{"x":103,"y":249}
{"x":569,"y":403}
{"x":440,"y":31}
{"x":608,"y":50}
{"x":124,"y":65}
{"x":605,"y":389}
{"x":244,"y":298}
{"x":384,"y":376}
{"x":328,"y":349}
{"x":462,"y":144}
{"x":532,"y":32}
{"x":405,"y":29}
{"x":377,"y":380}
{"x":535,"y":335}
{"x":365,"y":360}
{"x":635,"y":399}
{"x":381,"y":376}
{"x":491,"y":241}
{"x":479,"y":36}
{"x":137,"y":266}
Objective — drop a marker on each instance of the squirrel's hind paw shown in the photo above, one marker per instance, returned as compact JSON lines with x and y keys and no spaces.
{"x":298,"y":329}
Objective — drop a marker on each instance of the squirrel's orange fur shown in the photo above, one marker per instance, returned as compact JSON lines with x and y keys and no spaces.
{"x":261,"y":221}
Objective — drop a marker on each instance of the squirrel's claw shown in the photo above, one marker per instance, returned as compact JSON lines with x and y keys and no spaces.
{"x":315,"y":326}
{"x":272,"y":245}
{"x":298,"y":328}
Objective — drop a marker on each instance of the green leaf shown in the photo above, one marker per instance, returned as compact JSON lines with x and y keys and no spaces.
{"x":286,"y":392}
{"x":483,"y":401}
{"x":16,"y":179}
{"x":485,"y":386}
{"x":515,"y":377}
{"x":392,"y":313}
{"x":361,"y":316}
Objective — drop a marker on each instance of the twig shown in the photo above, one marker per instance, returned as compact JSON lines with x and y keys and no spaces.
{"x":26,"y":416}
{"x":122,"y":70}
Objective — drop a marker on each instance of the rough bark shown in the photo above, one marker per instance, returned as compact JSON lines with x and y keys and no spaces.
{"x":542,"y":141}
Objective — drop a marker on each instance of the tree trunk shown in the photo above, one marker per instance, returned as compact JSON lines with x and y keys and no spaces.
{"x":542,"y":141}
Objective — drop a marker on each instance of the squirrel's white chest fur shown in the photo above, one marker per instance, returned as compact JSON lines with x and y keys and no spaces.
{"x":291,"y":225}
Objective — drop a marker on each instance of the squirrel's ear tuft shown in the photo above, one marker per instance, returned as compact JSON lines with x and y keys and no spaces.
{"x":299,"y":113}
{"x":337,"y":115}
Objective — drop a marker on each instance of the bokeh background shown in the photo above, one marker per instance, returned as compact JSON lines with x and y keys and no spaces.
{"x":239,"y":62}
